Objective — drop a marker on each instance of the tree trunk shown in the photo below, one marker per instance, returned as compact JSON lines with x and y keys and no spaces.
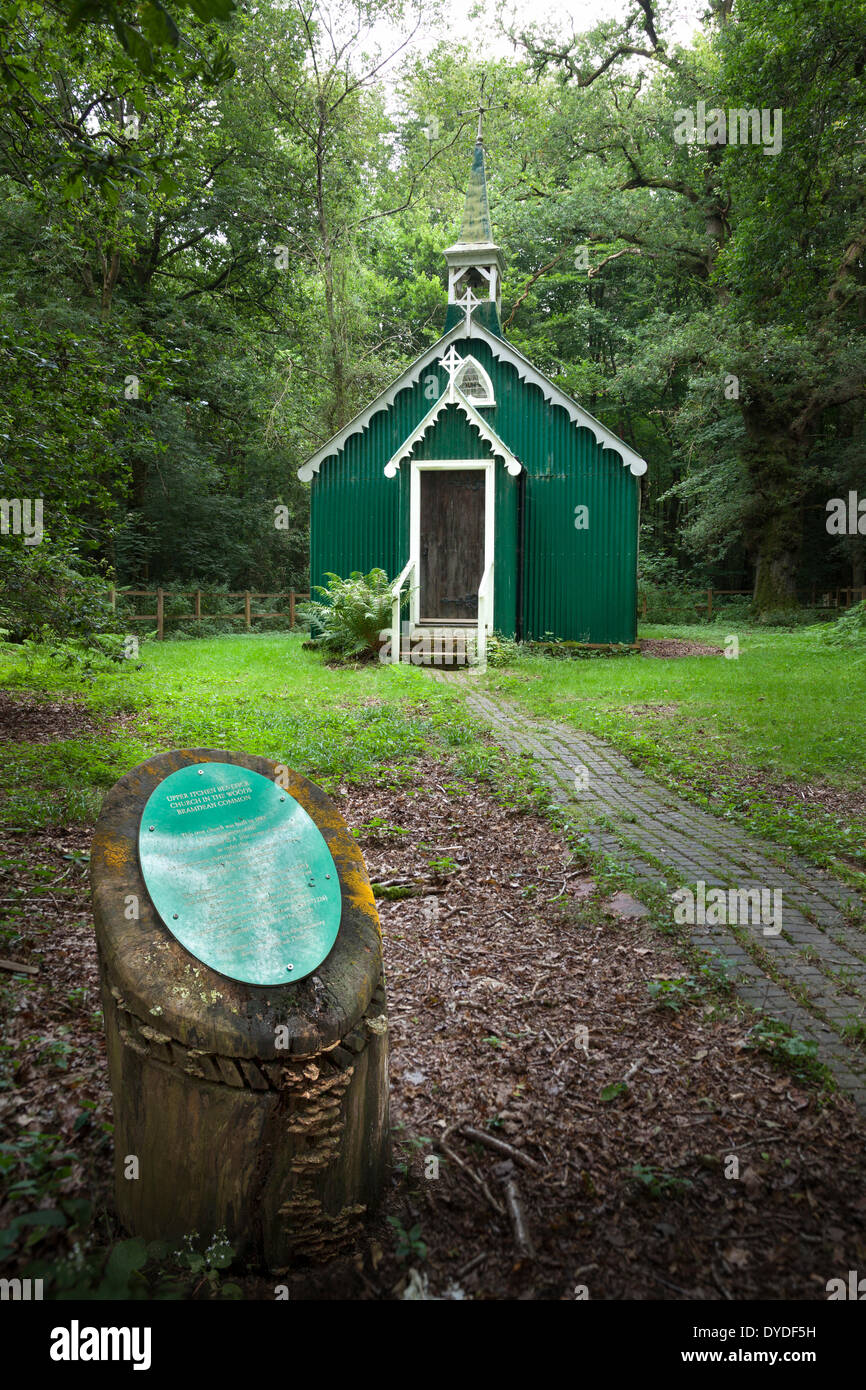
{"x":281,"y":1098}
{"x":774,"y":462}
{"x":776,"y":565}
{"x":110,"y":272}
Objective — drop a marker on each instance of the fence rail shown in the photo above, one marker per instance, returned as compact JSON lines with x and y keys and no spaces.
{"x":246,"y":594}
{"x":830,"y":598}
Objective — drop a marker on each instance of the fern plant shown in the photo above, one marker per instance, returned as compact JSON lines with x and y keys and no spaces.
{"x":849,"y":630}
{"x":351,"y":614}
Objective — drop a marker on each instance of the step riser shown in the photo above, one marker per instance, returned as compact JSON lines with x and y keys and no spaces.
{"x":448,"y":650}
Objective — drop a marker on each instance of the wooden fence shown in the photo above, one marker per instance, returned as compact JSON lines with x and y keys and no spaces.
{"x":197,"y":616}
{"x":832,"y":598}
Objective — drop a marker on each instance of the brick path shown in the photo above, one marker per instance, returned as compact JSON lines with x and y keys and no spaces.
{"x":813,"y":976}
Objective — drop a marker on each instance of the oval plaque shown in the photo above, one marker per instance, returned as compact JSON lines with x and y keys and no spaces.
{"x":240,"y":873}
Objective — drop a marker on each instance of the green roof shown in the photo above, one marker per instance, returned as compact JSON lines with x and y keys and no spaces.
{"x":475,"y":227}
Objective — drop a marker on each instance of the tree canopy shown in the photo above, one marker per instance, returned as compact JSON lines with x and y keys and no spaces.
{"x":221,"y":235}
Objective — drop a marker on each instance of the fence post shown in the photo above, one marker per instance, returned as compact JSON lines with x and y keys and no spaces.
{"x":247,"y":609}
{"x":709,"y":605}
{"x":113,"y":600}
{"x":198,"y":604}
{"x":291,"y":609}
{"x":160,"y":609}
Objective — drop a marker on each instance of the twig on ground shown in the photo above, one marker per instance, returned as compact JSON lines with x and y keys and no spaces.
{"x":632,"y":1069}
{"x":500,"y":1146}
{"x":517,"y":1217}
{"x":18,"y":967}
{"x":471,"y":1264}
{"x":450,"y":1154}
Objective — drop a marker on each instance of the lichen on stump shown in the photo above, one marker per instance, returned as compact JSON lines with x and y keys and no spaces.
{"x":261,"y":1109}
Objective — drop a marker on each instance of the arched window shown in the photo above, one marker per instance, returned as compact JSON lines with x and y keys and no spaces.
{"x":474,"y":383}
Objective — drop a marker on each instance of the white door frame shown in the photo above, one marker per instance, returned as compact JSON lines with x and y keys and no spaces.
{"x":417,"y":466}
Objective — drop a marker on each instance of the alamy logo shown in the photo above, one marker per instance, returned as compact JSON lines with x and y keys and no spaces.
{"x":855,"y":1288}
{"x":75,"y":1343}
{"x":735,"y":127}
{"x":22,"y":516}
{"x":846,"y":519}
{"x":729,"y":906}
{"x":20,"y":1290}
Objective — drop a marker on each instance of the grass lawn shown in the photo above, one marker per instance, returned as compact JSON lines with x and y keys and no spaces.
{"x":775,"y":738}
{"x":259,"y":694}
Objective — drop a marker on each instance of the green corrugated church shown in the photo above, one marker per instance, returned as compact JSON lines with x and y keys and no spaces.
{"x":482,"y":489}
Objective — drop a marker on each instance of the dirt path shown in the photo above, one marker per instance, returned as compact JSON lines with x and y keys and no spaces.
{"x":807,"y":968}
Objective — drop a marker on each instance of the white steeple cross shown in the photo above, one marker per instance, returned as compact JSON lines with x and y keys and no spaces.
{"x":468,"y":301}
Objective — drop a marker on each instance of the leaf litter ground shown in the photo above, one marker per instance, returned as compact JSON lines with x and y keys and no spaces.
{"x":498,"y":957}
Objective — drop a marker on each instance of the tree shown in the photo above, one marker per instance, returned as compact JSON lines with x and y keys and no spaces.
{"x":729,"y":218}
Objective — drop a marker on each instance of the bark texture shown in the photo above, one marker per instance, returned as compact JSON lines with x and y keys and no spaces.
{"x":284,"y":1147}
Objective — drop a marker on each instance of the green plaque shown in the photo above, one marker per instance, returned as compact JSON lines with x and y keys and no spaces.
{"x":240,"y":873}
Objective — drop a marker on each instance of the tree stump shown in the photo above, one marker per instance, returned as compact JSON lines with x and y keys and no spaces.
{"x":262,"y":1110}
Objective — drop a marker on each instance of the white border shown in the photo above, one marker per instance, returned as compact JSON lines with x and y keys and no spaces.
{"x":452,"y":396}
{"x":451,"y":465}
{"x":490,"y":398}
{"x":500,"y":350}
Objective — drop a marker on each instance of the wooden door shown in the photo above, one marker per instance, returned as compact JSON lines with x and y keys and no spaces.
{"x":452,"y":543}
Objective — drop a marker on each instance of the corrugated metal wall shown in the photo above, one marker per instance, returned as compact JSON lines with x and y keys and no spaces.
{"x":579,"y":585}
{"x":506,"y":567}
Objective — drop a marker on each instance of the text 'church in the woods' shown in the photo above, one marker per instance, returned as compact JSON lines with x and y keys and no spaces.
{"x":493,"y":496}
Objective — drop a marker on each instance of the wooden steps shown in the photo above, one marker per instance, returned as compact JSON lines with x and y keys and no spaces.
{"x":445,"y":647}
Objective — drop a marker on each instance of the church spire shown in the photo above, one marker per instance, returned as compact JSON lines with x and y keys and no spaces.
{"x":475,"y":262}
{"x":475,"y":227}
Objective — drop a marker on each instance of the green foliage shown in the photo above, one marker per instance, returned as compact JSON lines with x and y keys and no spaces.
{"x":52,"y":1238}
{"x":689,"y":989}
{"x":408,"y":1243}
{"x":46,"y":599}
{"x":670,"y":605}
{"x":655,"y":1182}
{"x":561,"y":649}
{"x":392,"y":892}
{"x":377,"y":828}
{"x":262,"y":692}
{"x":352,"y":614}
{"x":670,"y":589}
{"x":133,"y":1270}
{"x":35,"y":1169}
{"x":407,"y":1148}
{"x":787,"y":1049}
{"x":849,"y":630}
{"x":164,"y":370}
{"x":149,"y":33}
{"x":58,"y":784}
{"x":502,"y":651}
{"x":443,"y":866}
{"x":789,"y":617}
{"x":613,"y":1091}
{"x":206,"y":1262}
{"x":729,"y":358}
